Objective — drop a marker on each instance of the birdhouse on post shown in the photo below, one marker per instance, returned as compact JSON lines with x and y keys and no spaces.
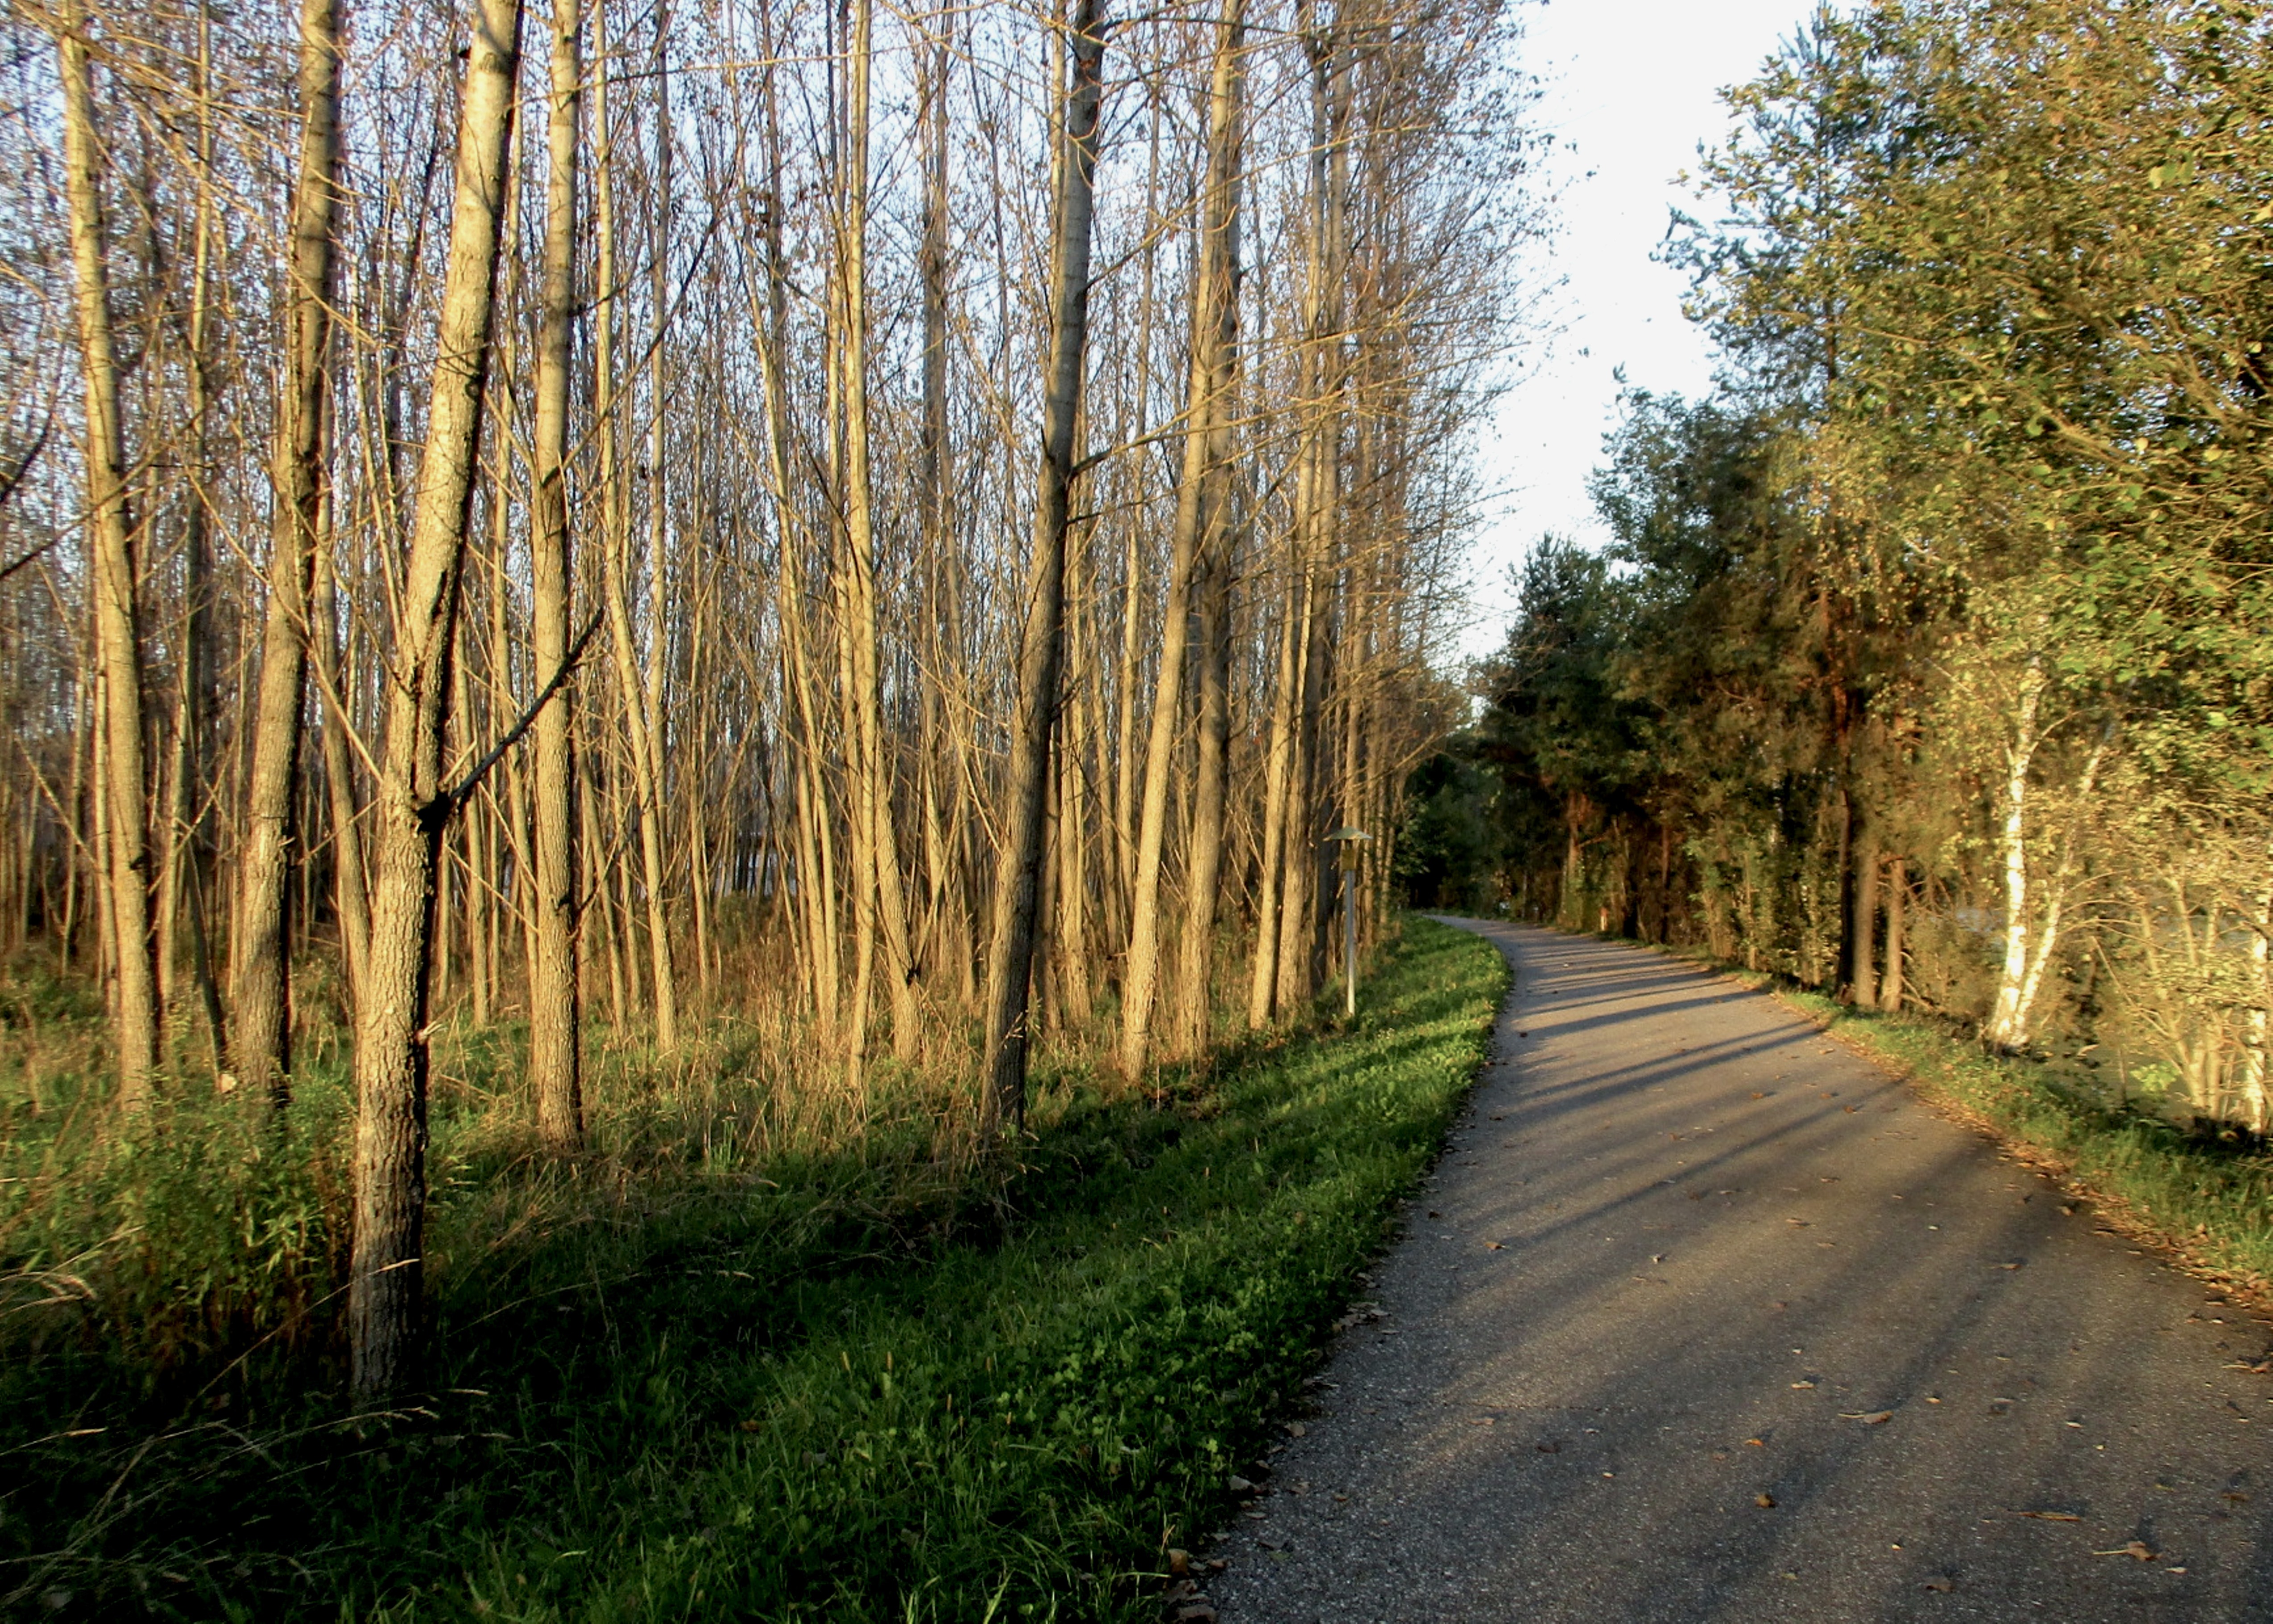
{"x":1347,"y":838}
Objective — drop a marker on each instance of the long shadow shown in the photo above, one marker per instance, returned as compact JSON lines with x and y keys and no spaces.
{"x":2066,"y":1315}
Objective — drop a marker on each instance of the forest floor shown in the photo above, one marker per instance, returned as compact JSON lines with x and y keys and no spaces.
{"x":1703,"y":1316}
{"x":855,"y":1389}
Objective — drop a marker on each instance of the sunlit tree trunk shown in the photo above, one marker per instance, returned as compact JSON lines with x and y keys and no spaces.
{"x":555,"y":998}
{"x":1862,"y":931}
{"x":411,"y":807}
{"x":871,"y":789}
{"x":1898,"y":896}
{"x":2007,"y":1026}
{"x":125,"y":849}
{"x":261,"y":956}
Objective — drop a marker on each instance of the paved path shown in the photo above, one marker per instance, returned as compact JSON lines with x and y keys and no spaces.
{"x":1685,"y":1257}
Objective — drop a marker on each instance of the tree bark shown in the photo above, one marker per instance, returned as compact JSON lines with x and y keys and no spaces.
{"x":261,"y":962}
{"x":1215,"y":329}
{"x":411,"y":807}
{"x":1863,"y":926}
{"x":872,"y":775}
{"x":555,"y":998}
{"x":1898,"y":892}
{"x":126,"y":847}
{"x":1017,"y":882}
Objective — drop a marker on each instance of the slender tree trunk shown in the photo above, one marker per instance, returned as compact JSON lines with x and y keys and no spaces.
{"x":1009,"y":960}
{"x":1263,"y":982}
{"x":1191,"y":569}
{"x":412,"y":806}
{"x":261,"y":961}
{"x":1862,"y":931}
{"x":2008,"y":1020}
{"x":1898,"y":892}
{"x":350,"y":887}
{"x":2256,"y":1024}
{"x":872,"y":774}
{"x":555,"y":999}
{"x":117,"y":639}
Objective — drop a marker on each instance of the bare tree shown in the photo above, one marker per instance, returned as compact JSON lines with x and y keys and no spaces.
{"x":412,"y":806}
{"x":1017,"y":884}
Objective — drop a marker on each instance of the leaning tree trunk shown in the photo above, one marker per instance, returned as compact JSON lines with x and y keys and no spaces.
{"x":260,"y":958}
{"x":126,"y":849}
{"x":554,"y":996}
{"x":1017,"y":882}
{"x":411,"y":806}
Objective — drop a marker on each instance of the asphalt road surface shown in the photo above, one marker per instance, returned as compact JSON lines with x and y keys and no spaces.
{"x":1704,"y":1317}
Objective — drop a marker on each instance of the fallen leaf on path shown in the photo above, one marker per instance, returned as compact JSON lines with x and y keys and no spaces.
{"x":1765,"y":1501}
{"x":1493,"y":1247}
{"x":1296,"y":1429}
{"x":1940,"y":1585}
{"x":1180,"y":1562}
{"x":1796,"y":1385}
{"x":2137,"y":1549}
{"x":1548,"y":1447}
{"x":1196,"y":1612}
{"x":1756,"y":1443}
{"x":2051,"y":1517}
{"x":1238,"y":1484}
{"x":1868,"y":1418}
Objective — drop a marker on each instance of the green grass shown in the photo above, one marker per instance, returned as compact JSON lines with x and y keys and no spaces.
{"x":824,"y":1387}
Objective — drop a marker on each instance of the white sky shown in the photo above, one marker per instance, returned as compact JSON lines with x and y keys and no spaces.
{"x":1632,"y":87}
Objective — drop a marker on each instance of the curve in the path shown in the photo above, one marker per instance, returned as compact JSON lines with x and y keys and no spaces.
{"x":1703,"y":1317}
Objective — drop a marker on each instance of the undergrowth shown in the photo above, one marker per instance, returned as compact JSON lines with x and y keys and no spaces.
{"x":791,"y":1380}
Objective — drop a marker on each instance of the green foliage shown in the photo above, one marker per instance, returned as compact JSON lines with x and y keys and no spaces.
{"x":1970,"y":565}
{"x":1448,"y":851}
{"x":851,"y":1384}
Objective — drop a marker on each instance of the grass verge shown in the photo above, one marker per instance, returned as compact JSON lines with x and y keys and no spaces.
{"x":797,"y":1398}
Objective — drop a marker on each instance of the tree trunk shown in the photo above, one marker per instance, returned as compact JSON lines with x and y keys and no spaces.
{"x":261,"y":962}
{"x":555,"y":998}
{"x":350,"y":886}
{"x":2007,"y":1026}
{"x":411,"y":806}
{"x":1213,"y":308}
{"x":1216,"y":333}
{"x":872,"y":775}
{"x":1898,"y":890}
{"x":1863,"y":926}
{"x":1262,"y":984}
{"x":1009,"y":958}
{"x":126,"y":849}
